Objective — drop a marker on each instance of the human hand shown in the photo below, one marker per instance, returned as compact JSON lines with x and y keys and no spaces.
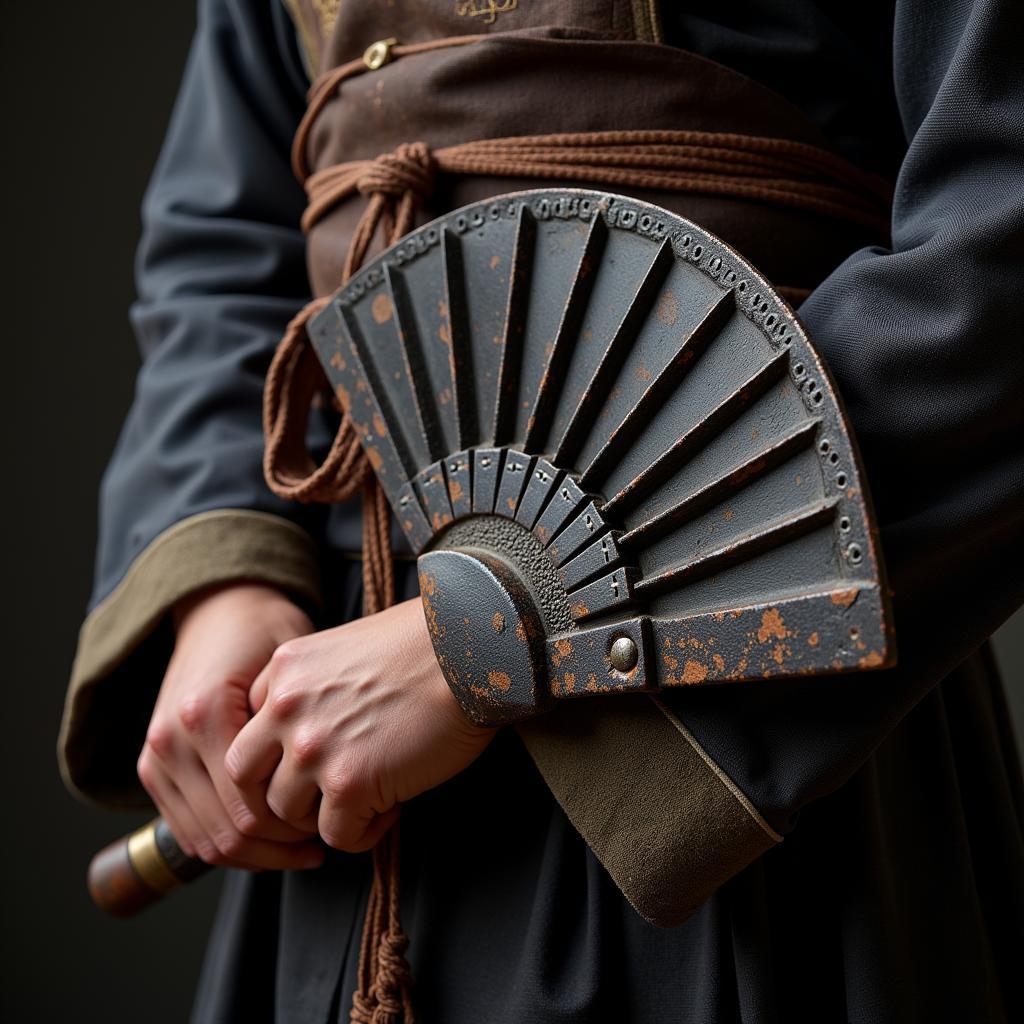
{"x":351,"y":721}
{"x":224,"y":638}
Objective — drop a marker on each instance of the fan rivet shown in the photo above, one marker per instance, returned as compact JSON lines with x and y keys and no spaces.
{"x":378,"y":54}
{"x":624,"y":654}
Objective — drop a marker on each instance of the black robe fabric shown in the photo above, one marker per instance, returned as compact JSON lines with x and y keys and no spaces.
{"x":898,"y":894}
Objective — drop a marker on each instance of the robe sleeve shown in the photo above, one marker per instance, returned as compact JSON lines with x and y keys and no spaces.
{"x":926,"y":345}
{"x":221,"y":270}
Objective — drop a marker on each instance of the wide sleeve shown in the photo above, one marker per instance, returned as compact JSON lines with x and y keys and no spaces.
{"x":926,"y":345}
{"x":221,"y":269}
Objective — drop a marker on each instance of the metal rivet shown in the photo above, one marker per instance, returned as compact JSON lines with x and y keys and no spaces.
{"x":378,"y":54}
{"x":624,"y":654}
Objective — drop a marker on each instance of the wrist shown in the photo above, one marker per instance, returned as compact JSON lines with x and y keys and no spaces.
{"x":239,"y":597}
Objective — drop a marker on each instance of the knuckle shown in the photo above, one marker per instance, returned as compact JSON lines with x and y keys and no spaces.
{"x":230,"y":843}
{"x":145,"y":771}
{"x":341,"y":785}
{"x":159,"y":739}
{"x":193,"y":713}
{"x":209,"y":854}
{"x":234,"y":766}
{"x":333,"y":837}
{"x":247,"y":823}
{"x":307,"y":748}
{"x":285,"y":702}
{"x":285,"y":655}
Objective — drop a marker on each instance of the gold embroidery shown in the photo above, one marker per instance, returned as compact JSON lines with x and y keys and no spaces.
{"x":328,"y":11}
{"x":486,"y":9}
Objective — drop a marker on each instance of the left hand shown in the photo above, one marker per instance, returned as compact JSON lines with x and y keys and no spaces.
{"x":351,"y":721}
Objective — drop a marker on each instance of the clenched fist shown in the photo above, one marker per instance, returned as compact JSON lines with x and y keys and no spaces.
{"x":348,"y":723}
{"x":225,"y":637}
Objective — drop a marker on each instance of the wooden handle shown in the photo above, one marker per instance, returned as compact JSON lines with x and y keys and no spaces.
{"x":138,"y":870}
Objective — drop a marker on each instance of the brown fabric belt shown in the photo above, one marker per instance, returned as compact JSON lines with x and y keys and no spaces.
{"x":769,"y":170}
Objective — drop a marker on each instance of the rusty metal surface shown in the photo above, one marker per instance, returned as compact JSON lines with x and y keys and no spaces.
{"x":624,"y":387}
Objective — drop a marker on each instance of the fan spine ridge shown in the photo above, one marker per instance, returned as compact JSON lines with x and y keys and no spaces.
{"x":378,"y":393}
{"x":516,"y":312}
{"x":683,"y":360}
{"x":415,"y":363}
{"x":797,"y":440}
{"x":460,"y":348}
{"x":552,"y":378}
{"x":755,"y":543}
{"x":614,"y":357}
{"x":684,"y":449}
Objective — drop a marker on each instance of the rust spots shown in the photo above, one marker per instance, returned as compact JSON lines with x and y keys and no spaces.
{"x":376,"y":460}
{"x":428,"y":588}
{"x":872,"y":660}
{"x":719,"y":662}
{"x":343,"y":396}
{"x":445,"y":396}
{"x":668,"y":308}
{"x":338,"y":361}
{"x":570,"y":681}
{"x":495,"y":262}
{"x":772,"y":627}
{"x":579,"y":610}
{"x":643,"y":374}
{"x":379,"y":425}
{"x":727,"y":515}
{"x":455,"y":490}
{"x":844,"y":598}
{"x":812,"y":640}
{"x":522,"y":634}
{"x":694,"y":672}
{"x":499,"y":681}
{"x":381,"y":309}
{"x":511,"y":502}
{"x":563,"y":649}
{"x":498,"y":622}
{"x":672,"y":663}
{"x":779,"y":653}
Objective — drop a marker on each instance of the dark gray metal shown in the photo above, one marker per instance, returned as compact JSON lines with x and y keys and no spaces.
{"x":621,"y":387}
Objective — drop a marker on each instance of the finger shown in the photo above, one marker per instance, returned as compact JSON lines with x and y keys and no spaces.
{"x":351,"y":830}
{"x":247,"y":806}
{"x":233,"y":847}
{"x":253,"y":755}
{"x":293,"y":795}
{"x":258,"y":691}
{"x":175,"y":810}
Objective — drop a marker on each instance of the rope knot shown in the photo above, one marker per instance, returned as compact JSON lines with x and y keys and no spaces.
{"x":411,"y":168}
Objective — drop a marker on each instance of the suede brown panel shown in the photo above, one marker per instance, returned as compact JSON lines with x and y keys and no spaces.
{"x":665,"y":822}
{"x":418,"y":21}
{"x":544,"y":81}
{"x":124,"y":644}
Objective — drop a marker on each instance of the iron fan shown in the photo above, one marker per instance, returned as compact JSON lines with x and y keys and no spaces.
{"x":618,"y":456}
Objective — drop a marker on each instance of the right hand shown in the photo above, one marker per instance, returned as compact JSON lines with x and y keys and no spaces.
{"x":225,"y":636}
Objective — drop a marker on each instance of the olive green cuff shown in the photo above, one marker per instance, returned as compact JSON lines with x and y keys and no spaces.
{"x":666,"y":822}
{"x":125,"y":642}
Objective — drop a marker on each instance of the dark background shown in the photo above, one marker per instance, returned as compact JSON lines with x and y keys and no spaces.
{"x":87,"y":90}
